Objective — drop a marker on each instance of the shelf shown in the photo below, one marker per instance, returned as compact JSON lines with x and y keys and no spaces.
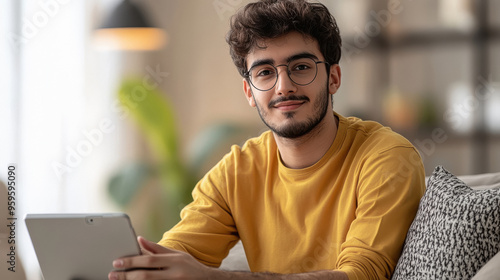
{"x":384,"y":47}
{"x":426,"y":39}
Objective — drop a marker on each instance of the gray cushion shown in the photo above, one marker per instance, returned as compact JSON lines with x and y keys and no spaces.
{"x":455,"y":232}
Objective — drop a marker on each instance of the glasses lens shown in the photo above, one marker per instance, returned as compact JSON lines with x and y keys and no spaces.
{"x":301,"y":71}
{"x":263,"y":77}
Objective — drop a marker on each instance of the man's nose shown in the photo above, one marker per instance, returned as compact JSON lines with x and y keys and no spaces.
{"x":284,"y":85}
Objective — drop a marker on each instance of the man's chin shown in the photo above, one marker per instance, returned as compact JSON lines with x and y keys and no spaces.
{"x":292,"y":130}
{"x":289,"y":115}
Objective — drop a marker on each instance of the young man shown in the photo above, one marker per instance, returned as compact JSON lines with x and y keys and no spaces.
{"x":319,"y":196}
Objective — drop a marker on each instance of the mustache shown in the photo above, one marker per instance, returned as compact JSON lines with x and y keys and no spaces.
{"x":272,"y":103}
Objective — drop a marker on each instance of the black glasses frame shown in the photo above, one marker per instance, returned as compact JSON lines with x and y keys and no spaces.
{"x":288,"y":72}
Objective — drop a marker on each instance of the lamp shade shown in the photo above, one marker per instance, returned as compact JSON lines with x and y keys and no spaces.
{"x":128,"y":28}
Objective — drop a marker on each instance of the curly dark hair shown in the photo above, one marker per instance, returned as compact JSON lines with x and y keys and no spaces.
{"x":268,"y":19}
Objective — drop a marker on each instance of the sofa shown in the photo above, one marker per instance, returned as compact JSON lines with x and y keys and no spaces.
{"x":455,"y":234}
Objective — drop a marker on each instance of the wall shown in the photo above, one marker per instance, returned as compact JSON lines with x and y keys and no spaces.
{"x":414,"y":51}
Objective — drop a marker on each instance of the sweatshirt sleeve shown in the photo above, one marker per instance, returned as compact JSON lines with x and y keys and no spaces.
{"x":391,"y":183}
{"x":207,"y":230}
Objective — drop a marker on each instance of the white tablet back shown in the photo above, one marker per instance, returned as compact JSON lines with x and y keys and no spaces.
{"x":80,"y":246}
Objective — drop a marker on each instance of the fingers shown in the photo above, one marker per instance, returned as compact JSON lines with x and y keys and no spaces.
{"x":197,"y":271}
{"x":145,"y":252}
{"x":152,"y":247}
{"x":155,"y":263}
{"x":155,"y":256}
{"x":143,"y":261}
{"x":139,"y":267}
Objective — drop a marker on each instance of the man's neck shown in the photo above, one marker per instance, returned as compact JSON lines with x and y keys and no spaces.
{"x":305,"y":151}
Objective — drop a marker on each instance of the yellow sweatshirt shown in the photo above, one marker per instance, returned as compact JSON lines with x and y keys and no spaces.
{"x":349,"y":211}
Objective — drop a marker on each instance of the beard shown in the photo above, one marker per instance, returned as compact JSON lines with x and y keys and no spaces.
{"x":293,"y":130}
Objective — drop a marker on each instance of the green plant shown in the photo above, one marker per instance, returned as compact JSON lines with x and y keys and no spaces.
{"x":155,"y":117}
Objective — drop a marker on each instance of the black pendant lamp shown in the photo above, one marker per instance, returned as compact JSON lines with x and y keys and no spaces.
{"x":127,"y":28}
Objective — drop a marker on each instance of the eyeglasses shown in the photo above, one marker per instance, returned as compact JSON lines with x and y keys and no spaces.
{"x":301,"y":71}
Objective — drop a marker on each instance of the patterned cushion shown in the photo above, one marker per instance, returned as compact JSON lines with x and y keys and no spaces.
{"x":455,"y":232}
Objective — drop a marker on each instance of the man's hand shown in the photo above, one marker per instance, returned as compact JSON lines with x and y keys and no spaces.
{"x":158,"y":262}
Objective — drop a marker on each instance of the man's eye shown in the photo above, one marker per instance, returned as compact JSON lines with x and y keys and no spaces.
{"x":301,"y":67}
{"x":265,"y":72}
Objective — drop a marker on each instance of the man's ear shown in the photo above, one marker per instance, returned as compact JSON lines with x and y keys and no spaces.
{"x":335,"y":77}
{"x":248,"y":92}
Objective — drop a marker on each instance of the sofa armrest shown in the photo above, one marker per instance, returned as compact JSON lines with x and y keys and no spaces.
{"x":236,"y":259}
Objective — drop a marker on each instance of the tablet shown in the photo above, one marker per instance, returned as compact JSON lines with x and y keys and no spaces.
{"x":80,"y":246}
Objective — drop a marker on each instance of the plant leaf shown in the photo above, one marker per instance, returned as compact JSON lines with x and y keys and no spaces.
{"x":154,"y":114}
{"x":124,"y":185}
{"x":210,"y":139}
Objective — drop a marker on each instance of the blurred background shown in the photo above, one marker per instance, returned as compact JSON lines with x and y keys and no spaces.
{"x":79,"y":106}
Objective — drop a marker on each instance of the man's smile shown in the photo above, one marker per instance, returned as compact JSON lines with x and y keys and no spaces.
{"x":288,"y":103}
